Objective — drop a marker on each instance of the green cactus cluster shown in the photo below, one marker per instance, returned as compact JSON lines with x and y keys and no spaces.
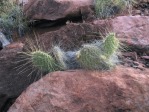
{"x":100,"y":55}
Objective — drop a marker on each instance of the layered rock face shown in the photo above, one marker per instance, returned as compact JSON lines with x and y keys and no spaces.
{"x":122,"y":89}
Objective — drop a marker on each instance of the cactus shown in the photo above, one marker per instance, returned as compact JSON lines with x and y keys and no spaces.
{"x":110,"y":45}
{"x":43,"y":61}
{"x":90,"y":57}
{"x":60,"y":57}
{"x":99,"y":57}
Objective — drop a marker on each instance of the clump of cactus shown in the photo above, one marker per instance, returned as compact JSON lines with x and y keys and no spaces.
{"x":99,"y":57}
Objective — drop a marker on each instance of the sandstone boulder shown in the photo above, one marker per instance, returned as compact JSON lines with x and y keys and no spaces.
{"x":120,"y":90}
{"x":55,"y":9}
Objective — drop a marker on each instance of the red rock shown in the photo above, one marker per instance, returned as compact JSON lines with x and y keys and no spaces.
{"x":123,"y":89}
{"x":55,"y":9}
{"x":132,"y":29}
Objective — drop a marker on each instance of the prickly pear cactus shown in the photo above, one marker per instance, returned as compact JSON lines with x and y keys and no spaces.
{"x":111,"y":45}
{"x":43,"y":61}
{"x":92,"y":56}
